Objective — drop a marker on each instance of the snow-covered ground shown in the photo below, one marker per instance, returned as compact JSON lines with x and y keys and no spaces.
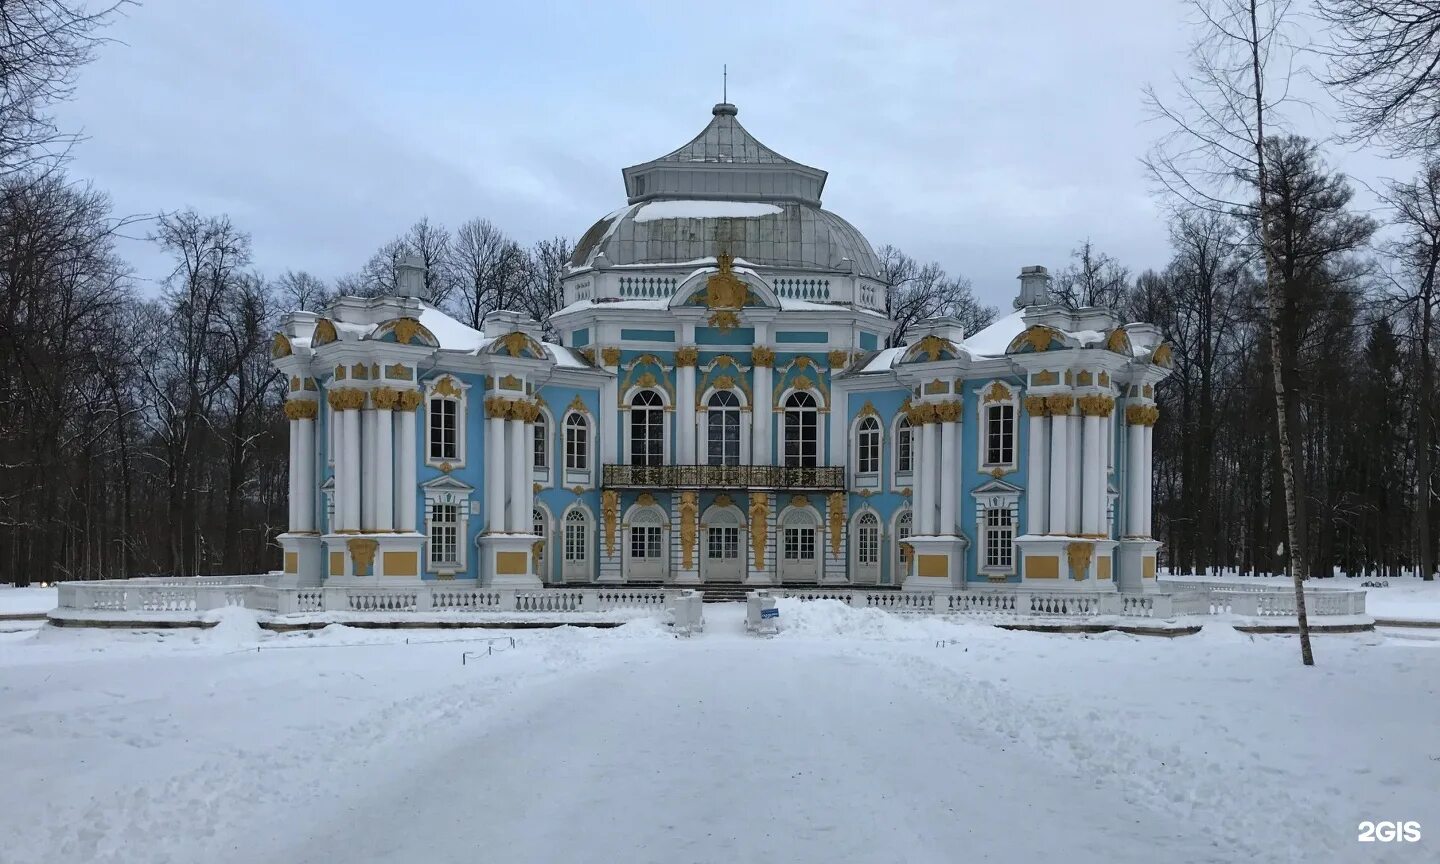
{"x":26,"y":601}
{"x":850,"y":737}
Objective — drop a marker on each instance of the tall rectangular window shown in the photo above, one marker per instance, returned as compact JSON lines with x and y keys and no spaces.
{"x":444,"y":442}
{"x":577,"y":443}
{"x":645,"y":541}
{"x":723,"y":542}
{"x":444,"y":535}
{"x":903,"y":452}
{"x":1000,"y":434}
{"x":800,"y":544}
{"x":575,"y":531}
{"x":999,"y":539}
{"x":541,"y":455}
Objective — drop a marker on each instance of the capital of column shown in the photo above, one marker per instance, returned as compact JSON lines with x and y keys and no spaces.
{"x":1060,"y":405}
{"x":762,"y":356}
{"x":687,"y":355}
{"x":1096,"y":406}
{"x":610,"y":356}
{"x":498,"y":407}
{"x":408,"y":400}
{"x":301,"y":409}
{"x":346,"y":398}
{"x":1036,"y":406}
{"x":924,"y":413}
{"x":1142,"y":415}
{"x":385,"y":398}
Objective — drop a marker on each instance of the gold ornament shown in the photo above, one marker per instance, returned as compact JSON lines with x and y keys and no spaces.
{"x":1044,"y":379}
{"x":936,"y":387}
{"x":610,"y":356}
{"x":406,"y":329}
{"x":516,"y":343}
{"x":689,"y":518}
{"x":933,"y":346}
{"x":610,"y":509}
{"x":1163,"y":356}
{"x":1084,"y":379}
{"x":324,"y":333}
{"x":948,"y":412}
{"x":281,"y":346}
{"x":385,"y":398}
{"x":409,"y":400}
{"x":362,"y":553}
{"x":837,"y":521}
{"x":1119,"y":342}
{"x":997,"y":392}
{"x":510,"y":382}
{"x":759,"y":527}
{"x":838,"y":359}
{"x":446,"y":387}
{"x":762,"y":356}
{"x":589,"y":355}
{"x":1096,"y":406}
{"x":1035,"y":406}
{"x":1078,"y":555}
{"x":686,"y":356}
{"x":301,"y":409}
{"x":400,"y":372}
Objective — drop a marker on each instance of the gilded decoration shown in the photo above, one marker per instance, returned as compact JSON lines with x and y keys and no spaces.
{"x":362,"y":553}
{"x":997,"y":392}
{"x":802,"y":382}
{"x":762,"y":356}
{"x":385,"y":398}
{"x":799,"y":501}
{"x":803,"y":362}
{"x":647,"y":379}
{"x":997,"y":473}
{"x":409,"y":400}
{"x":837,"y":522}
{"x":1104,"y":379}
{"x":1059,"y":406}
{"x":759,"y":526}
{"x":1078,"y":556}
{"x":446,"y":467}
{"x":610,"y":511}
{"x":301,"y":409}
{"x":281,"y":346}
{"x":516,"y":344}
{"x":1035,"y":406}
{"x":578,"y":490}
{"x":1044,"y":379}
{"x":645,"y":500}
{"x":935,"y":387}
{"x":725,"y":294}
{"x":360,"y":372}
{"x":723,"y":500}
{"x":525,"y":410}
{"x":868,"y":410}
{"x":576,"y":405}
{"x":510,"y":382}
{"x":687,"y":356}
{"x":724,"y":382}
{"x":689,"y":519}
{"x":1096,"y":406}
{"x":400,"y":372}
{"x":1037,"y":336}
{"x":1163,"y":355}
{"x":406,"y":329}
{"x":933,"y":346}
{"x":346,"y":399}
{"x":1069,"y":377}
{"x":1084,"y":379}
{"x":1118,"y":342}
{"x":610,"y":356}
{"x":294,"y":383}
{"x":446,"y":387}
{"x":1149,"y":391}
{"x":948,"y":412}
{"x":589,"y":355}
{"x":324,"y":332}
{"x":1142,"y":415}
{"x":340,"y":373}
{"x":838,"y":359}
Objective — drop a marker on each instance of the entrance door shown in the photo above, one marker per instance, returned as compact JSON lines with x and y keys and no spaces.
{"x":723,"y":555}
{"x":799,"y":546}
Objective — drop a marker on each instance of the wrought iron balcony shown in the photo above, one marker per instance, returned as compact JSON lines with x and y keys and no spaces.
{"x":723,"y":477}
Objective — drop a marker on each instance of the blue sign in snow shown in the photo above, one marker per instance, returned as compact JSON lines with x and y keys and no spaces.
{"x":769,"y":613}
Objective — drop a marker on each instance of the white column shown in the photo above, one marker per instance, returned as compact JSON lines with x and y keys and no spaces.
{"x":685,"y":414}
{"x":1037,"y":473}
{"x":520,"y":481}
{"x":948,"y":471}
{"x":929,"y":469}
{"x":1134,"y":474}
{"x":495,"y":473}
{"x":368,"y":472}
{"x":306,"y":427}
{"x":348,"y":460}
{"x":761,"y":414}
{"x":1076,"y":485}
{"x":1147,"y":479}
{"x":1091,"y":469}
{"x":294,"y":519}
{"x":607,"y":449}
{"x":384,"y":465}
{"x":405,"y":456}
{"x":337,"y":461}
{"x":1059,"y":469}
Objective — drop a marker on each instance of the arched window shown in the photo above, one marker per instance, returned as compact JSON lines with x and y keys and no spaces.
{"x":801,"y":431}
{"x":540,"y":455}
{"x":903,"y":524}
{"x":576,"y":539}
{"x":577,"y":442}
{"x":867,"y":539}
{"x":904,"y":447}
{"x":724,"y":426}
{"x":867,"y":459}
{"x":540,"y":526}
{"x":647,"y":429}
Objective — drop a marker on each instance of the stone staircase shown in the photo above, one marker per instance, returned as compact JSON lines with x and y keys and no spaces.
{"x":725,"y":592}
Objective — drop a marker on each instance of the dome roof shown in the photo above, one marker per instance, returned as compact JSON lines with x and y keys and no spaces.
{"x":724,"y":190}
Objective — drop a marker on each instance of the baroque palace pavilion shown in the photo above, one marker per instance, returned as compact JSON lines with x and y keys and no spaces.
{"x":720,"y":409}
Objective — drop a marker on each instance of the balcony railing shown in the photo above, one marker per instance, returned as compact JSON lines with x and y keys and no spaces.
{"x":723,"y":477}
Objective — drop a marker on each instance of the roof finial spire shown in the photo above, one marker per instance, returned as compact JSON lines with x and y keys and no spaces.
{"x":724,"y":82}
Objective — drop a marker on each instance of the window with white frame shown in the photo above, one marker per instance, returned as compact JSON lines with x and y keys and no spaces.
{"x":647,"y":429}
{"x":540,"y":446}
{"x":867,"y":540}
{"x":577,"y":442}
{"x":444,"y":536}
{"x":904,"y":524}
{"x":645,"y":541}
{"x":723,"y":425}
{"x":723,"y":542}
{"x":800,"y":544}
{"x":999,"y":539}
{"x":1000,"y":433}
{"x":444,"y":429}
{"x":577,"y":539}
{"x":541,"y":528}
{"x":802,"y":431}
{"x":904,"y":447}
{"x":867,"y":446}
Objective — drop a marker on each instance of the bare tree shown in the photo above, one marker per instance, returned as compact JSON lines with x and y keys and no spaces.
{"x":546,"y":265}
{"x":1215,"y":147}
{"x":491,"y":271}
{"x":43,"y":44}
{"x":302,"y":290}
{"x":1385,"y":69}
{"x":1092,"y":279}
{"x":914,"y":293}
{"x":1416,"y":206}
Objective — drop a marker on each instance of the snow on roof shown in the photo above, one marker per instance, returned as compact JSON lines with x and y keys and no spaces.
{"x":993,"y":340}
{"x":704,"y":210}
{"x":564,"y":357}
{"x":884,"y":360}
{"x":453,"y":335}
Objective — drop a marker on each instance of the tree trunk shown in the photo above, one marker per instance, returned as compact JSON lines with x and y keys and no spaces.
{"x":1422,"y":443}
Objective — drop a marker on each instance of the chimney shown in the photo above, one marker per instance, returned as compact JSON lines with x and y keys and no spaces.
{"x":1034,"y":287}
{"x":410,"y":277}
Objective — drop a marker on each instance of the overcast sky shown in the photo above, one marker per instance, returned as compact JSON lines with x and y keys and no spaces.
{"x":984,"y":135}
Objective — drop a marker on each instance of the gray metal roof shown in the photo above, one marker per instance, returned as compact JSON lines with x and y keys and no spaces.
{"x":780,"y":223}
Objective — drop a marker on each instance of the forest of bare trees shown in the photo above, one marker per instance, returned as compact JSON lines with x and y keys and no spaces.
{"x":140,"y":430}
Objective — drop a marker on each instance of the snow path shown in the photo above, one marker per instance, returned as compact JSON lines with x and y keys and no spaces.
{"x":735,"y":752}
